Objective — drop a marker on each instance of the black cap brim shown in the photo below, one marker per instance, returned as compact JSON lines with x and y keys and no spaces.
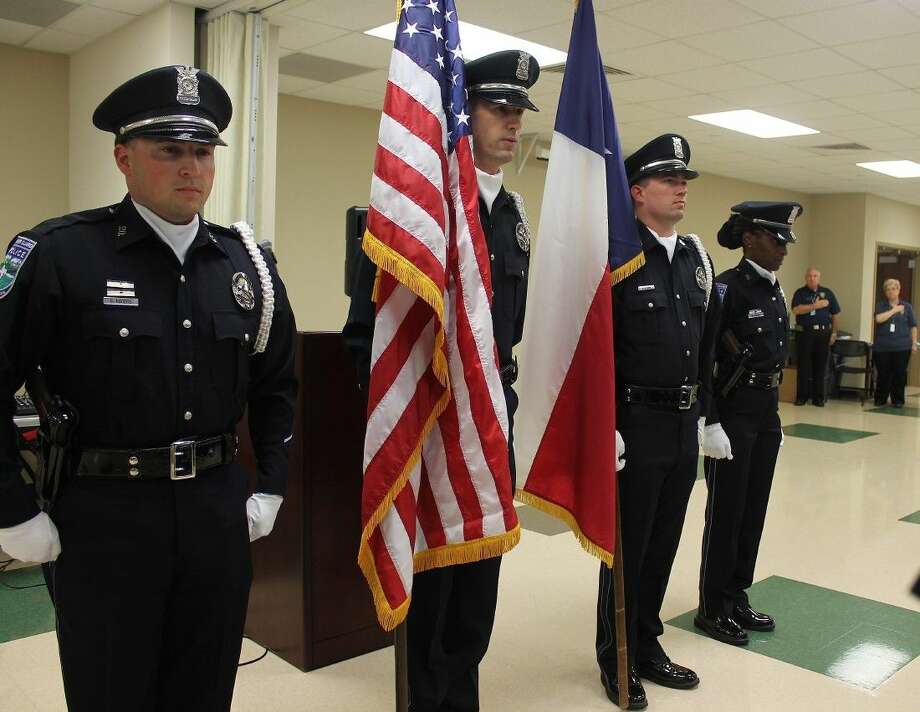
{"x":508,"y":98}
{"x":781,"y":234}
{"x":178,"y":133}
{"x":675,"y":166}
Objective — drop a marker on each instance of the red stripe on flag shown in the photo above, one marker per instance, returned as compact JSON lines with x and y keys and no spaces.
{"x":428,"y":515}
{"x":404,"y":243}
{"x":405,"y":507}
{"x":405,"y":109}
{"x":399,"y":175}
{"x":577,"y":439}
{"x":469,"y":196}
{"x":460,"y":480}
{"x":390,"y":581}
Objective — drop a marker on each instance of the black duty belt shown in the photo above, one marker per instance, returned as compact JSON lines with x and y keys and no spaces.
{"x":763,"y":381}
{"x":182,"y":460}
{"x":681,"y":398}
{"x":509,"y":373}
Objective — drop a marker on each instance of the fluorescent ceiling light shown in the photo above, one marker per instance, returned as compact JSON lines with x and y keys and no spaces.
{"x":479,"y":41}
{"x":896,"y":169}
{"x":754,"y":123}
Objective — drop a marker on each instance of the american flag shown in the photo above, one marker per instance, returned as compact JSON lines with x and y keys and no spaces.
{"x":437,"y":484}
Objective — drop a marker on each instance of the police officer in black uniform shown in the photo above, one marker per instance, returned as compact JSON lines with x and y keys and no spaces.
{"x":751,"y":348}
{"x":660,"y":314}
{"x":816,"y":315}
{"x":453,"y":608}
{"x":157,"y":329}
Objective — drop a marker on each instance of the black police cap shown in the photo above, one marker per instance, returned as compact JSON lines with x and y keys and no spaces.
{"x":774,"y":218}
{"x":177,"y":103}
{"x":503,"y":78}
{"x":669,"y":153}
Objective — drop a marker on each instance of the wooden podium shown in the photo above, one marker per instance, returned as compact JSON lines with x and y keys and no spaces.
{"x":309,"y":601}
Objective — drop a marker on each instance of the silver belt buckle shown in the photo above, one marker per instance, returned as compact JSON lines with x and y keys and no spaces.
{"x":685,"y":402}
{"x":182,"y":464}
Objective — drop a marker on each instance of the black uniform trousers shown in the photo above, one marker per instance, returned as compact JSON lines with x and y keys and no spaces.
{"x":662,"y":448}
{"x":892,"y":375}
{"x":811,"y":348}
{"x":736,"y":505}
{"x":151,"y":591}
{"x":450,"y":624}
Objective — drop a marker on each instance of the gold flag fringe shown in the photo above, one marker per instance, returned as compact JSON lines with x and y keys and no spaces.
{"x":554,"y":510}
{"x":627,"y":268}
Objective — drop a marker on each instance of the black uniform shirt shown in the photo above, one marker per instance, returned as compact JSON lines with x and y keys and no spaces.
{"x":817,"y":317}
{"x":510,"y":267}
{"x":176,"y":366}
{"x":659,"y":318}
{"x":755,"y":311}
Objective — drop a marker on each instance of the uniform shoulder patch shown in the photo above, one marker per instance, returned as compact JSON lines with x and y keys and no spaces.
{"x":18,"y":252}
{"x":721,"y":289}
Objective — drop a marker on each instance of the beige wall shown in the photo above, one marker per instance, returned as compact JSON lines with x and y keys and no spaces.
{"x":164,"y":36}
{"x":33,"y":114}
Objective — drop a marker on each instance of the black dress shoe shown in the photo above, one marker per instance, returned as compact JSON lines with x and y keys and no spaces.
{"x":898,"y":405}
{"x":668,"y":674}
{"x":818,"y":402}
{"x":747,"y":617}
{"x":722,"y":628}
{"x":801,"y":401}
{"x":637,"y":700}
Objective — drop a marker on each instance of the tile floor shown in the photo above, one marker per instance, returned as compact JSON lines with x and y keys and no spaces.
{"x":835,"y":568}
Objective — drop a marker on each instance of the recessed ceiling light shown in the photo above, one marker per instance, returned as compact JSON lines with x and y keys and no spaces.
{"x":754,"y":123}
{"x":896,"y":169}
{"x":479,"y":41}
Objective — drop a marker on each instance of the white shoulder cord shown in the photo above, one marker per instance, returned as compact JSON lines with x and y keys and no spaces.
{"x":244,"y":230}
{"x":519,"y":204}
{"x":707,"y":267}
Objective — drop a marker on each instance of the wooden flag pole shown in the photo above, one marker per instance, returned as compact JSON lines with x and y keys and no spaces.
{"x":402,"y":667}
{"x":619,"y":596}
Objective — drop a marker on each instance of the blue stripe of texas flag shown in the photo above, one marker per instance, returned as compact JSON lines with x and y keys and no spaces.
{"x":586,"y":117}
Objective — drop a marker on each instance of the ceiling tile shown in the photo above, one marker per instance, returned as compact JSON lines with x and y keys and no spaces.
{"x":132,"y":7}
{"x":848,"y":85}
{"x":632,"y":113}
{"x":356,"y":48}
{"x":898,"y":118}
{"x":56,"y":41}
{"x":660,"y":58}
{"x":300,"y":34}
{"x":847,"y":121}
{"x":320,"y":69}
{"x":35,"y":12}
{"x":803,"y":65}
{"x":855,"y":23}
{"x":374,"y":82}
{"x":612,"y":36}
{"x":514,"y":16}
{"x":892,"y":101}
{"x":679,"y":18}
{"x":288,"y":84}
{"x":881,"y":133}
{"x":695,"y":104}
{"x":646,"y":90}
{"x":92,"y":21}
{"x":908,"y":76}
{"x":805,"y":111}
{"x":761,"y":39}
{"x":16,"y":33}
{"x":350,"y":15}
{"x":764,"y":95}
{"x":889,"y":52}
{"x":782,"y":8}
{"x":724,"y":77}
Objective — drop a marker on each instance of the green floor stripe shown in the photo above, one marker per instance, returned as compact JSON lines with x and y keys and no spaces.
{"x":24,"y":612}
{"x":824,"y":433}
{"x":857,"y":640}
{"x":890,"y":410}
{"x":912,"y":518}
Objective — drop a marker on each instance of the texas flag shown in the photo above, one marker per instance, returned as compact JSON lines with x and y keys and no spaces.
{"x":588,"y":240}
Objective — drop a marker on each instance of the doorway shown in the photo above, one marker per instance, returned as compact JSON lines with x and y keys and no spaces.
{"x":901,"y":264}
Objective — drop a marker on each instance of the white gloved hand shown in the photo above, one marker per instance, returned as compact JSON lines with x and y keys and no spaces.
{"x":782,"y":438}
{"x":700,"y":425}
{"x":716,"y":443}
{"x":261,"y":511}
{"x":621,"y":452}
{"x":35,"y":540}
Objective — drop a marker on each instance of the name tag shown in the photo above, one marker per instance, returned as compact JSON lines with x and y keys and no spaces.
{"x":646,"y":287}
{"x":755,"y":313}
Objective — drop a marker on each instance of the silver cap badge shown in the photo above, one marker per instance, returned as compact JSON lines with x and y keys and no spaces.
{"x":523,"y":68}
{"x":678,"y":147}
{"x":242,"y":291}
{"x":794,"y":214}
{"x":187,"y":86}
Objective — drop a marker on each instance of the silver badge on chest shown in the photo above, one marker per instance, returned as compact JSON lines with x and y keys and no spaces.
{"x":187,"y":91}
{"x":701,"y":277}
{"x":242,"y":291}
{"x":523,"y":237}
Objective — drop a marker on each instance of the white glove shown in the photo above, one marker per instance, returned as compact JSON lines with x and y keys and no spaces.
{"x":782,"y":438}
{"x":36,"y":540}
{"x":700,"y":425}
{"x":261,"y":510}
{"x":716,"y":443}
{"x":621,"y":451}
